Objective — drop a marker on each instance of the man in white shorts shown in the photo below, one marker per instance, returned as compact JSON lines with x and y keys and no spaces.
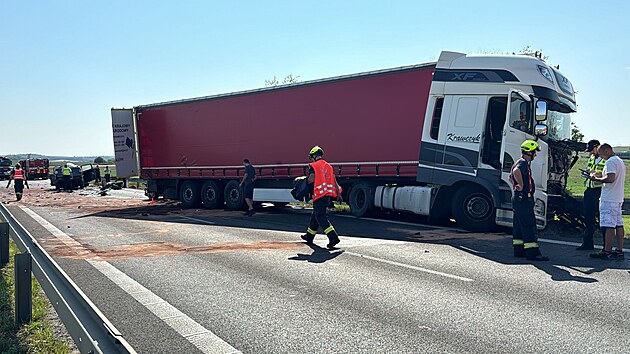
{"x":610,"y":202}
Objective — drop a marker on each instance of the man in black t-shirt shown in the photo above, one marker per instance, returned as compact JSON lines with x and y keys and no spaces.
{"x":524,"y":231}
{"x":248,"y":187}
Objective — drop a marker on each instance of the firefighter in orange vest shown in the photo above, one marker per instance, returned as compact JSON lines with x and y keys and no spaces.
{"x":19,"y":177}
{"x":325,"y":187}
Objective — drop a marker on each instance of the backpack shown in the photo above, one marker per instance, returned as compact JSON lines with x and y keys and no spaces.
{"x":301,"y":190}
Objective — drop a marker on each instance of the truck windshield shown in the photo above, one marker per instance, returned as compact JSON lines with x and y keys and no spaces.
{"x":559,"y":125}
{"x":5,"y":162}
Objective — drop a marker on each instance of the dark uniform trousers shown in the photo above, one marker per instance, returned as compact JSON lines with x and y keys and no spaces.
{"x":524,"y":232}
{"x":319,"y":218}
{"x":591,"y":209}
{"x":18,"y":185}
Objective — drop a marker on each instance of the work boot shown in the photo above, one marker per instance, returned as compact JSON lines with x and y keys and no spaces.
{"x":585,"y":247}
{"x":308,"y":238}
{"x":333,"y":242}
{"x":251,"y":212}
{"x":519,"y":251}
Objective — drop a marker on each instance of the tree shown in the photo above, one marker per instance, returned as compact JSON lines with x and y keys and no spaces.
{"x":576,"y":134}
{"x":99,"y":160}
{"x":289,"y":79}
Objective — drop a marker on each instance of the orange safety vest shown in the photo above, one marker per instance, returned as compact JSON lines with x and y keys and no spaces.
{"x":324,"y":180}
{"x":18,"y":175}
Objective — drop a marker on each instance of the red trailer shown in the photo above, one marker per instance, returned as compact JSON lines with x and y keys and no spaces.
{"x":434,"y":139}
{"x":369,"y":125}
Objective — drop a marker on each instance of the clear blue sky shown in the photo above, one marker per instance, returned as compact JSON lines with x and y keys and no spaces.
{"x":64,"y":64}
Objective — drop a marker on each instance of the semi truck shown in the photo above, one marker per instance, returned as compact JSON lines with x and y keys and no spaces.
{"x":36,"y":168}
{"x":5,"y":167}
{"x":435,"y":139}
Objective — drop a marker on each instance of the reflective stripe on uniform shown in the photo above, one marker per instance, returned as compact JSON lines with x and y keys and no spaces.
{"x":531,"y":245}
{"x":311,"y":231}
{"x":329,"y":229}
{"x":517,"y":242}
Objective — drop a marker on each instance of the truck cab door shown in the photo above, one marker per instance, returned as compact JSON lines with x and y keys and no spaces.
{"x":518,"y":127}
{"x":462,"y":136}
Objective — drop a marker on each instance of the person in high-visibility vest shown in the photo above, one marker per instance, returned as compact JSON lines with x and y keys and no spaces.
{"x":325,"y":187}
{"x":67,"y":178}
{"x":593,"y":191}
{"x":18,"y":176}
{"x":524,"y":232}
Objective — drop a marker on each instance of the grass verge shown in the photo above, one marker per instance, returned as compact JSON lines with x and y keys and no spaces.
{"x":32,"y":337}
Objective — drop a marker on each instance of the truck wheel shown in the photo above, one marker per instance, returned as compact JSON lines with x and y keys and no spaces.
{"x":233,"y":195}
{"x":361,"y":200}
{"x":473,"y":209}
{"x":211,"y":195}
{"x":189,"y":194}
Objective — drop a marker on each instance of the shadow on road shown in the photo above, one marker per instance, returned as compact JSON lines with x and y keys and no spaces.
{"x":566,"y":263}
{"x":319,"y":255}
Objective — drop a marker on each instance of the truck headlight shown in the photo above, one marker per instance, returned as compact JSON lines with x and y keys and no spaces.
{"x":545,"y":72}
{"x":539,"y":207}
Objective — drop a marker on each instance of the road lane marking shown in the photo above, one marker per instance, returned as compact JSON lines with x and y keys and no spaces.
{"x":195,"y":333}
{"x":568,"y":243}
{"x":430,"y":227}
{"x":471,"y":250}
{"x":408,"y":266}
{"x":199,"y":220}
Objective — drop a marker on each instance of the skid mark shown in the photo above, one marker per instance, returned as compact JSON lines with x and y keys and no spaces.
{"x":155,"y":249}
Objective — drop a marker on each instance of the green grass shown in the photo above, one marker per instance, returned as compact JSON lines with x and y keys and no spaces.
{"x":32,"y":337}
{"x":575,"y":183}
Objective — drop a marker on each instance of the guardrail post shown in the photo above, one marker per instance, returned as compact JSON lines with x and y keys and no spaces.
{"x":4,"y":243}
{"x":23,"y":294}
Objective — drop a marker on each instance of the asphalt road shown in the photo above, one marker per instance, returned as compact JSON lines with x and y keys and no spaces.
{"x":189,"y":281}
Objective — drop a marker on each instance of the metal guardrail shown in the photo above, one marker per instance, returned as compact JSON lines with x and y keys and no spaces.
{"x":91,"y":330}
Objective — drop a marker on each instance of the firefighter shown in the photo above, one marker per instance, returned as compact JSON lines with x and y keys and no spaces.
{"x":325,"y":187}
{"x":524,"y":232}
{"x":67,"y":178}
{"x":19,"y":177}
{"x":592,"y":193}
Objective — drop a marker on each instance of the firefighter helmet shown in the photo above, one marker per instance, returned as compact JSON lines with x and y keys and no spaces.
{"x":530,"y":146}
{"x":316,"y":151}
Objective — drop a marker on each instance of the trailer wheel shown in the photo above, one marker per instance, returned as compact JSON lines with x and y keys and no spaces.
{"x":189,"y":194}
{"x":233,"y":195}
{"x":211,"y":195}
{"x":473,"y":209}
{"x":361,"y":199}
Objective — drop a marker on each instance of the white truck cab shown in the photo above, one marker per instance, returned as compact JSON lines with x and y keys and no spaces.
{"x":480,"y":109}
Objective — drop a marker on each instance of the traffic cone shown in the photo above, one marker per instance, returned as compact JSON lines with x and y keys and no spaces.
{"x":152,"y":201}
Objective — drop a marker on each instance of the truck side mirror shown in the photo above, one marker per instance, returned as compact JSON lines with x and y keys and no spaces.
{"x":541,"y":111}
{"x":541,"y":130}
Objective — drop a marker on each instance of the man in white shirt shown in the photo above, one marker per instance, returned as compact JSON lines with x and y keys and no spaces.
{"x":610,"y":202}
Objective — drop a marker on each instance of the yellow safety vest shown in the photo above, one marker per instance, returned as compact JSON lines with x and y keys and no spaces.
{"x":67,"y":171}
{"x":598,"y":167}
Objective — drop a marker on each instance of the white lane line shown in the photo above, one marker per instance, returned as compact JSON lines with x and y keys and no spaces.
{"x":199,"y":336}
{"x":471,"y":250}
{"x":408,"y":266}
{"x":199,"y":220}
{"x":568,"y":243}
{"x":432,"y":227}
